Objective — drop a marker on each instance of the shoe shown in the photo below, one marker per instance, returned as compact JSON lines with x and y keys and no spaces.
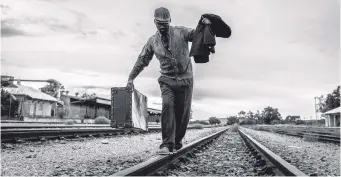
{"x":178,"y":146}
{"x":164,"y":151}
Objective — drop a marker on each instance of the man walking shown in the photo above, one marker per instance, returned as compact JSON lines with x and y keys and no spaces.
{"x":170,"y":46}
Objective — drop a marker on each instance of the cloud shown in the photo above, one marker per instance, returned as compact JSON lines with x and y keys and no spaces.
{"x":8,"y":31}
{"x":277,"y":55}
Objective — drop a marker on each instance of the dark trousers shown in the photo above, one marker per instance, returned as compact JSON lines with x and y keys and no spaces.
{"x":176,"y":110}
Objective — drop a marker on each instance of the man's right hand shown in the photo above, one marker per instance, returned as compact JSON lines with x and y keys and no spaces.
{"x":130,"y":86}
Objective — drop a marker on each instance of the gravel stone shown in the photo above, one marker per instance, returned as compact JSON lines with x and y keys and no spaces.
{"x":322,"y":159}
{"x":227,"y":156}
{"x":85,"y":158}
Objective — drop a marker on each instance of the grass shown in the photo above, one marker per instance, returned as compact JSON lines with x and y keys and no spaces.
{"x":198,"y":126}
{"x":310,"y":138}
{"x":102,"y":120}
{"x":214,"y":130}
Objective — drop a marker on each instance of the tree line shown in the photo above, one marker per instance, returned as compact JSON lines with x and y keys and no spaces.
{"x":271,"y":115}
{"x":266,"y":116}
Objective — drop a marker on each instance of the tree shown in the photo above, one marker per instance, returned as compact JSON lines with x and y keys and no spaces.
{"x":88,"y":96}
{"x":241,"y":114}
{"x":9,"y":104}
{"x":269,"y":114}
{"x":293,"y":119}
{"x":232,"y":120}
{"x":213,"y":120}
{"x":331,"y":102}
{"x":258,"y":117}
{"x":250,"y":115}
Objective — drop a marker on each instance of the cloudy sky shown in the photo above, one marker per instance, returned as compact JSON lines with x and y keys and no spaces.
{"x":281,"y":53}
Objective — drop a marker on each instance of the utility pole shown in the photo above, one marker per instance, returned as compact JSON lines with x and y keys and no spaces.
{"x":315,"y":108}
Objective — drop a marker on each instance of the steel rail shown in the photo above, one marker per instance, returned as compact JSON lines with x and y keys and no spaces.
{"x":18,"y":126}
{"x":302,"y":133}
{"x":160,"y":162}
{"x":285,"y":168}
{"x":29,"y":134}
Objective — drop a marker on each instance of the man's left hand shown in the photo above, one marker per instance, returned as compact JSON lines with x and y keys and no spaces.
{"x":206,"y":21}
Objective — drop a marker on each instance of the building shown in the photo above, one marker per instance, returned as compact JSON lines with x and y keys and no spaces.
{"x":332,"y":118}
{"x":84,"y":108}
{"x":32,"y":102}
{"x":154,"y":114}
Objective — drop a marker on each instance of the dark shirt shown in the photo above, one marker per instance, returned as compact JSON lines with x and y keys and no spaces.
{"x":175,"y":62}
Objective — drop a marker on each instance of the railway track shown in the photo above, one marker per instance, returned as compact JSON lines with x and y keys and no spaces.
{"x":21,"y":133}
{"x":330,"y":137}
{"x":262,"y":160}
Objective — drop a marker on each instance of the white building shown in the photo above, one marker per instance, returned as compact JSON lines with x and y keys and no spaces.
{"x":333,"y":117}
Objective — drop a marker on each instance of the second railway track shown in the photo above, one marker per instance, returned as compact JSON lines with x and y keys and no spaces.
{"x":15,"y":134}
{"x":331,"y":136}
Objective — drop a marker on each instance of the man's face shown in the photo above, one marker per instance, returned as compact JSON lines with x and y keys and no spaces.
{"x":162,"y":27}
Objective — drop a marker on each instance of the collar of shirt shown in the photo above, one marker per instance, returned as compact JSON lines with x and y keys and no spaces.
{"x":168,"y":33}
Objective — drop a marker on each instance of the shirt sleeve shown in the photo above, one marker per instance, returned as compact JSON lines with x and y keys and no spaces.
{"x":143,"y":59}
{"x":187,"y":33}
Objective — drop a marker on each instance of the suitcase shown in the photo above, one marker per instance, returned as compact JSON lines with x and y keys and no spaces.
{"x":128,"y":109}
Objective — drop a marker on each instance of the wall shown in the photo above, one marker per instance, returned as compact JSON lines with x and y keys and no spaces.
{"x":152,"y":118}
{"x":103,"y":111}
{"x":77,"y":111}
{"x":333,"y":121}
{"x":43,"y":109}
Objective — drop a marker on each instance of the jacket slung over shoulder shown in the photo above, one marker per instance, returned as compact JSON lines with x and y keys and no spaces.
{"x":204,"y":37}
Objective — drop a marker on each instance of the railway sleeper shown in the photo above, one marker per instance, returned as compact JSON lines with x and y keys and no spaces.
{"x":41,"y":138}
{"x":183,"y":159}
{"x":61,"y":137}
{"x":18,"y":140}
{"x":262,"y":166}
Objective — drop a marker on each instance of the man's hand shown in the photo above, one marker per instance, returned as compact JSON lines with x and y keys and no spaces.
{"x":130,"y":86}
{"x":206,"y":21}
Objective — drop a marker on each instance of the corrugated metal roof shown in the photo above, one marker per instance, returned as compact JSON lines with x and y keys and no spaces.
{"x":104,"y":97}
{"x":29,"y":91}
{"x":333,"y":111}
{"x":103,"y":101}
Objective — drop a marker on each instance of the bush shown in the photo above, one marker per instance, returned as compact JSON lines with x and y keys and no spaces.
{"x":248,"y":122}
{"x":199,"y":122}
{"x":203,"y":122}
{"x":234,"y":127}
{"x":299,"y":122}
{"x":102,"y":120}
{"x":198,"y":126}
{"x":275,"y":122}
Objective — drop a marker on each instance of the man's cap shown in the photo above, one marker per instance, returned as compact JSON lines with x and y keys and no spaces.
{"x":162,"y":15}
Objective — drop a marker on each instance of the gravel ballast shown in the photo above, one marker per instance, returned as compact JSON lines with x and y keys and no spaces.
{"x":227,"y":156}
{"x":80,"y":157}
{"x":312,"y":158}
